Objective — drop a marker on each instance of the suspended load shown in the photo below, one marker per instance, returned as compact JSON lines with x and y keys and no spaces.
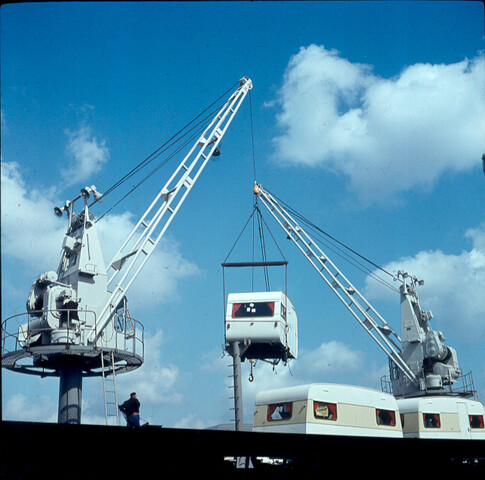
{"x":264,"y":321}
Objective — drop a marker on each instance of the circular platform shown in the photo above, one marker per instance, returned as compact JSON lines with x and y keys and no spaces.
{"x":123,"y":349}
{"x":47,"y":361}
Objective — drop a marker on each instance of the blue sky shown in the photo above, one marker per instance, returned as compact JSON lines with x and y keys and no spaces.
{"x":369,"y":119}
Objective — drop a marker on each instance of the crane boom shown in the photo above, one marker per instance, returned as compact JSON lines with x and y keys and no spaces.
{"x":419,"y":361}
{"x":372,"y":322}
{"x":147,"y":233}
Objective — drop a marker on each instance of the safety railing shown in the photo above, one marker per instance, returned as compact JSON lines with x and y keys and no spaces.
{"x":462,"y":386}
{"x":24,"y":331}
{"x":386,"y":384}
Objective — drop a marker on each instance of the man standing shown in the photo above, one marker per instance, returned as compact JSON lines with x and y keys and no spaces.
{"x":131,"y":408}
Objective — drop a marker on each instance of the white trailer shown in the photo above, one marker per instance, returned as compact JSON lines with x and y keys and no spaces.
{"x":442,"y":417}
{"x":327,"y":409}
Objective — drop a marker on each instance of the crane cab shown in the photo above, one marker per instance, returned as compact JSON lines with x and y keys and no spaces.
{"x":266,"y":321}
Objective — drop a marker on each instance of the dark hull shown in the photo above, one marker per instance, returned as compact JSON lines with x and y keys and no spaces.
{"x":35,"y":450}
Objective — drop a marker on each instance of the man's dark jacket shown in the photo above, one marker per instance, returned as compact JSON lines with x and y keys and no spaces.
{"x":131,"y":406}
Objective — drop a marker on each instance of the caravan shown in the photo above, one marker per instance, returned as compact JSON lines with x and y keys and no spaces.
{"x":332,"y":409}
{"x":442,"y":417}
{"x":327,"y":409}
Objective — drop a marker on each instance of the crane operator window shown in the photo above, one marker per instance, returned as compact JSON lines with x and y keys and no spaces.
{"x":253,"y":309}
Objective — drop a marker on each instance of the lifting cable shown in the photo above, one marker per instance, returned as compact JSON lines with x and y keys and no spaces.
{"x":264,"y":262}
{"x":252,"y":133}
{"x":256,"y":208}
{"x":263,"y":251}
{"x":160,"y":165}
{"x":239,"y":236}
{"x":346,"y":256}
{"x":177,"y":137}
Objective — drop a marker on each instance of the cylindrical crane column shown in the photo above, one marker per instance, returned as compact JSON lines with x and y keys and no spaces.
{"x":70,"y":395}
{"x":238,"y":408}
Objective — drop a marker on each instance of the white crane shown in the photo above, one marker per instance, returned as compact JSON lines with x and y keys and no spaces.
{"x":81,"y":267}
{"x":419,"y":361}
{"x":80,"y":310}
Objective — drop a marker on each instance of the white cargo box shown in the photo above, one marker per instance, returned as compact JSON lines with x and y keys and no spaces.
{"x":266,"y":321}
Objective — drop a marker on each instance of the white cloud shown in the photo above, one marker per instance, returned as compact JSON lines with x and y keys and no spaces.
{"x":92,"y":409}
{"x":477,"y":236}
{"x":191,"y":421}
{"x":158,"y":281}
{"x":385,"y":135}
{"x":30,"y":230}
{"x":330,"y":359}
{"x":32,"y":234}
{"x":154,"y":381}
{"x":19,"y":407}
{"x":454,"y":286}
{"x":87,"y":155}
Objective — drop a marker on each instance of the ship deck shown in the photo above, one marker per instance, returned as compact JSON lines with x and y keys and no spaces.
{"x":92,"y":451}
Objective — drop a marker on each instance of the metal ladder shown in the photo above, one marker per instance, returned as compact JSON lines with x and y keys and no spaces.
{"x":109,"y":390}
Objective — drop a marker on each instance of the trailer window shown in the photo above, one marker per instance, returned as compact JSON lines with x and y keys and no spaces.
{"x":385,"y":417}
{"x":325,"y":411}
{"x":279,"y":411}
{"x":253,"y":309}
{"x":431,"y":420}
{"x":476,"y":421}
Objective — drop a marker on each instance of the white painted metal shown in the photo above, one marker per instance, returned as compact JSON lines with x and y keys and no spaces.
{"x":356,"y":409}
{"x":109,"y":388}
{"x":278,"y":330}
{"x":454,"y":414}
{"x":423,"y":349}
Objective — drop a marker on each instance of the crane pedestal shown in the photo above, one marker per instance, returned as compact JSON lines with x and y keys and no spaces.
{"x":70,"y":363}
{"x":70,"y":395}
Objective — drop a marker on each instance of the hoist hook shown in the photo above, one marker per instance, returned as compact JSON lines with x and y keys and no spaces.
{"x":251,"y":376}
